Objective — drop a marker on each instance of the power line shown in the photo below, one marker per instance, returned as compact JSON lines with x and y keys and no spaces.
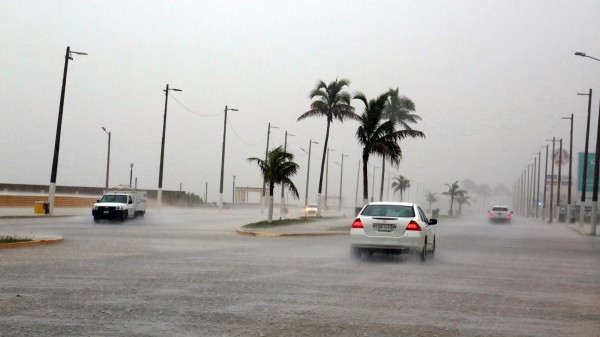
{"x":195,"y":113}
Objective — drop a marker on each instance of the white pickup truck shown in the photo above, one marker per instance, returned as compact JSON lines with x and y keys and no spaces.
{"x":120,"y":203}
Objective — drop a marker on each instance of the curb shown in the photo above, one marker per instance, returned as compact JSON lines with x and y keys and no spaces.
{"x":31,"y":243}
{"x":41,"y":216}
{"x":581,"y":231}
{"x":242,"y":231}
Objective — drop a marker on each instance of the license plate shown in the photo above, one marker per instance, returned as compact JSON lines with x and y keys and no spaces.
{"x":105,"y":212}
{"x":382,"y":227}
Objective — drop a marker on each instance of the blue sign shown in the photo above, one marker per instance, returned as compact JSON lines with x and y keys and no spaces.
{"x":589,"y":180}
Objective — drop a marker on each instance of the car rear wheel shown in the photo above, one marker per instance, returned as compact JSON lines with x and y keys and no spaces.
{"x":355,"y":252}
{"x":423,"y":254}
{"x":433,"y":249}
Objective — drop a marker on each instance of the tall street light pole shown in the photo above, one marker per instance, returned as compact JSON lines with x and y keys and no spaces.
{"x":585,"y":154}
{"x":596,"y":173}
{"x":569,"y":210}
{"x":537,"y":198}
{"x":373,"y":187}
{"x":282,"y":203}
{"x":545,"y":184}
{"x":52,"y":188}
{"x":131,"y":175}
{"x":162,"y":148}
{"x":553,"y":140}
{"x":559,"y":178}
{"x":223,"y":158}
{"x":107,"y":158}
{"x":233,"y":191}
{"x":263,"y":201}
{"x":341,"y":181}
{"x":596,"y":161}
{"x":310,"y":143}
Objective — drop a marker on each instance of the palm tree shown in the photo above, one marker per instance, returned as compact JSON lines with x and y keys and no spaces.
{"x":431,"y":198}
{"x":400,"y":184}
{"x":378,"y":136}
{"x":277,"y":169}
{"x":397,"y":108}
{"x":334,"y":103}
{"x":461,"y":199}
{"x":453,"y":192}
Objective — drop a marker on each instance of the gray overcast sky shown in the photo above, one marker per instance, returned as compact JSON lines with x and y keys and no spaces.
{"x":491,"y":80}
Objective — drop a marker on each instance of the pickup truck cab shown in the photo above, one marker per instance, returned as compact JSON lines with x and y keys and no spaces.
{"x":120,"y":204}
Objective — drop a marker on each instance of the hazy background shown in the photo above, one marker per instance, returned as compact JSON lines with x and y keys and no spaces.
{"x":491,"y":80}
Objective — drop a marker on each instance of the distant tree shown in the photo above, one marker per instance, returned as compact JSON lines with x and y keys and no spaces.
{"x":400,"y":184}
{"x":485,"y":191}
{"x":453,"y":192}
{"x":398,"y":109}
{"x":277,"y":169}
{"x":332,"y":102}
{"x":192,"y":199}
{"x":378,"y":136}
{"x":461,"y":199}
{"x":431,"y":198}
{"x":470,"y":185}
{"x":501,"y":190}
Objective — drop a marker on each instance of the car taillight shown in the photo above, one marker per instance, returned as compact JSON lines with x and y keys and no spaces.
{"x":357,"y":224}
{"x":508,"y":215}
{"x":413,"y":226}
{"x":491,"y":214}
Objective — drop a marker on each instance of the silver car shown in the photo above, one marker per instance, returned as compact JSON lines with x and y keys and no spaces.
{"x":392,"y":227}
{"x":500,"y":214}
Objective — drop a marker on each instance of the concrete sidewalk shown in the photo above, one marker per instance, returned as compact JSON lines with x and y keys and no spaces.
{"x":13,"y":212}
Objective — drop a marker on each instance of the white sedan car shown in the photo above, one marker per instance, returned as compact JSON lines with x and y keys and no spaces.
{"x":310,"y":210}
{"x":392,"y":227}
{"x":500,"y":214}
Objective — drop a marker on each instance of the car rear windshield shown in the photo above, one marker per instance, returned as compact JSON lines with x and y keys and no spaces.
{"x":500,"y":209}
{"x":396,"y":211}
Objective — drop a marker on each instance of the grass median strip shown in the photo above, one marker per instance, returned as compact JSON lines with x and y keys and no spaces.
{"x":14,"y":238}
{"x":279,"y":223}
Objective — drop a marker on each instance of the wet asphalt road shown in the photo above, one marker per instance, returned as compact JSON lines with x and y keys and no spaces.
{"x":189,"y":274}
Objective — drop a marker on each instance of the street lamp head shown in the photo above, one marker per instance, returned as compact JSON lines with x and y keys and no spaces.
{"x":176,"y":89}
{"x":103,"y":129}
{"x":581,"y":94}
{"x":579,"y":53}
{"x":78,"y":52}
{"x":273,"y":127}
{"x":232,"y":109}
{"x":566,"y":117}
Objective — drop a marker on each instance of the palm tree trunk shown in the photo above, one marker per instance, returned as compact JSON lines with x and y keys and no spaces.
{"x":319,"y":201}
{"x":270,"y":201}
{"x":365,"y":181}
